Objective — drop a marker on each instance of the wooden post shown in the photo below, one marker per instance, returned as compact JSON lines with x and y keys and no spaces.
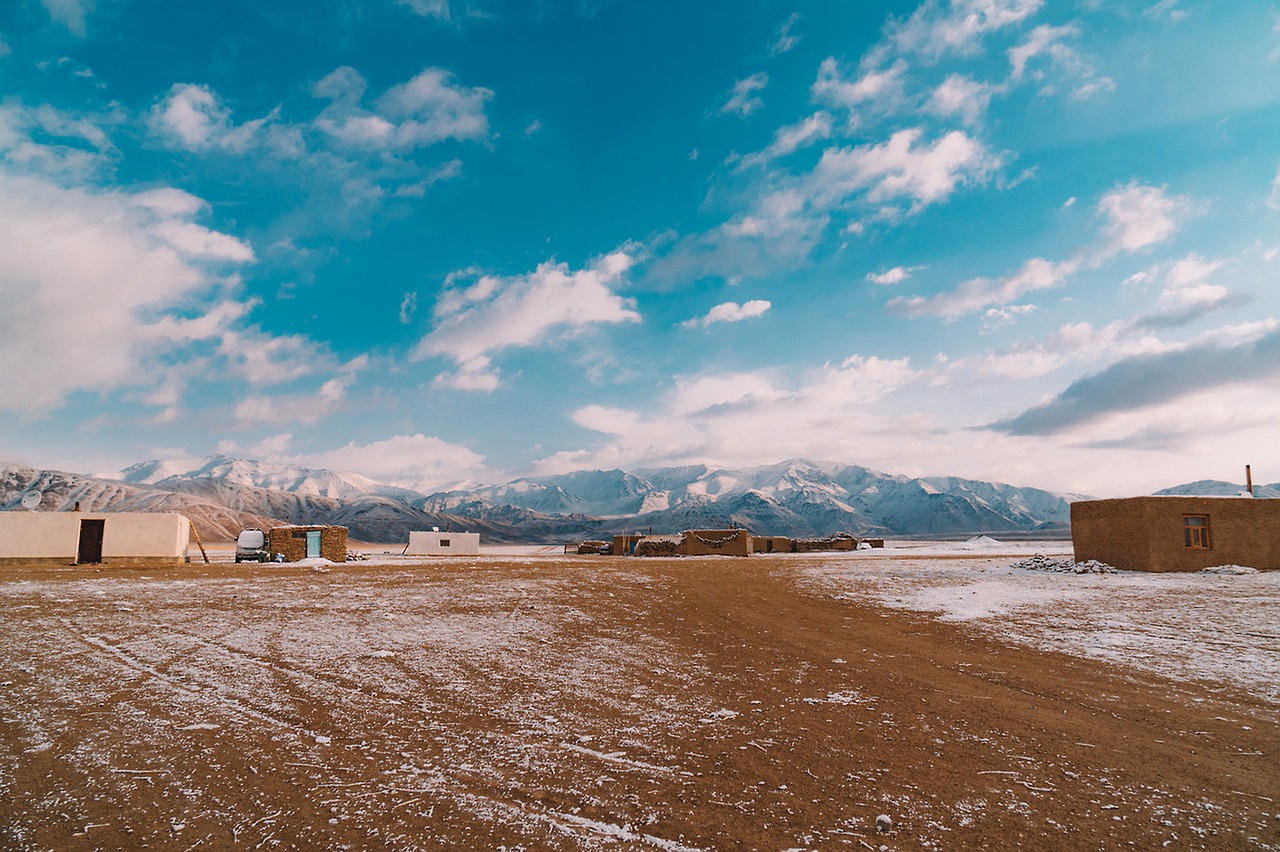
{"x":199,"y":543}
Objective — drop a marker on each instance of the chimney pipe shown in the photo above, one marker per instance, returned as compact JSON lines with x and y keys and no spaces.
{"x":1248,"y":479}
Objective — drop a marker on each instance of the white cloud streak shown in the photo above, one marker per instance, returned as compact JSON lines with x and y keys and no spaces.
{"x":1136,"y":216}
{"x":937,"y":28}
{"x":743,"y":100}
{"x":732,"y":418}
{"x":422,"y":111}
{"x":896,"y":275}
{"x":494,"y":312}
{"x":731,"y":312}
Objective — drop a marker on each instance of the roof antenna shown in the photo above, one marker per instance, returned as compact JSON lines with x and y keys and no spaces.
{"x":1248,"y":479}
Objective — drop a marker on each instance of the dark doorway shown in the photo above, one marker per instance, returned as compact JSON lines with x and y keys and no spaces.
{"x":91,"y":540}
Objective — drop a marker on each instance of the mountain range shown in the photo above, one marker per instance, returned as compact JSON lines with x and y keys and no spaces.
{"x":797,"y":498}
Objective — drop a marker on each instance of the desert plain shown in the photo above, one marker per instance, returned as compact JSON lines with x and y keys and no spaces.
{"x":911,"y":698}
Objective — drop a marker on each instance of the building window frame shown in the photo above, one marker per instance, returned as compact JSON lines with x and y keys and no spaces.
{"x":1195,"y":532}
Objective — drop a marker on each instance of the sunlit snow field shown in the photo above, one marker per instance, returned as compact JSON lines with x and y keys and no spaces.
{"x":1189,"y":625}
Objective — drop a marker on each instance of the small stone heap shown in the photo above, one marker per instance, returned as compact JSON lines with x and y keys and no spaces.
{"x":1063,"y":565}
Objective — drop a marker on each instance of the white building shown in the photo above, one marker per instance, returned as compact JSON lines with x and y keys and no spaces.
{"x":436,"y":543}
{"x":64,"y":538}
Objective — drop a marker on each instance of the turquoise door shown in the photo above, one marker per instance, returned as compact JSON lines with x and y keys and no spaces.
{"x":313,"y":543}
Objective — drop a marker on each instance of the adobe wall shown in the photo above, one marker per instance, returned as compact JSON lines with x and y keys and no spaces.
{"x":716,"y":543}
{"x":772,"y":544}
{"x":292,"y":542}
{"x":623,"y":544}
{"x":1146,"y":533}
{"x":127,"y":537}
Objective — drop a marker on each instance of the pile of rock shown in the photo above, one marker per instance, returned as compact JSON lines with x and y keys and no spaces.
{"x":1063,"y":565}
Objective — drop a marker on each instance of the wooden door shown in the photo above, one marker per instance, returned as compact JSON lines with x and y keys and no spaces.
{"x":90,"y":550}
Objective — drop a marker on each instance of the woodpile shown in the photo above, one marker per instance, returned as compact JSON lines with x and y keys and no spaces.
{"x":664,"y":546}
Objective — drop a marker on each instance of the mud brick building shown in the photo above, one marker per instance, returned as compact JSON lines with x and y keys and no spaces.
{"x":308,"y":542}
{"x":1177,"y":533}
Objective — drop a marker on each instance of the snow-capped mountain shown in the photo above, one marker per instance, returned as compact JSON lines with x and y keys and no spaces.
{"x":798,"y":498}
{"x":256,"y":474}
{"x":1218,"y":488}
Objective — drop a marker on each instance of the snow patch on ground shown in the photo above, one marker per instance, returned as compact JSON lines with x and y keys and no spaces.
{"x":1218,"y":625}
{"x":1229,"y":569}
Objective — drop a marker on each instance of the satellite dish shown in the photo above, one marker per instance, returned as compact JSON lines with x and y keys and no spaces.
{"x":31,"y":499}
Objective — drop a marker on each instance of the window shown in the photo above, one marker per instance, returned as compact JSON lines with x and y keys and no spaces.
{"x":444,"y":542}
{"x":1195,"y":531}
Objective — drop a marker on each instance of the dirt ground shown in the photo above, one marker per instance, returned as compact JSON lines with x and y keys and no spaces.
{"x":586,"y":703}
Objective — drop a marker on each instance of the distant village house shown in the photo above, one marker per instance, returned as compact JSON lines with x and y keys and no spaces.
{"x":296,"y":543}
{"x":436,"y":543}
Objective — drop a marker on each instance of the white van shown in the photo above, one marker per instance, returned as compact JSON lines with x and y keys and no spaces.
{"x":251,"y":546}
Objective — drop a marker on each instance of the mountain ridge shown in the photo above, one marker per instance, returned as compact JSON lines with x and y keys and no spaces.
{"x":795,"y":497}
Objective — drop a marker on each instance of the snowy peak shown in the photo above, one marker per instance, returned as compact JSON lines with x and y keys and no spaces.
{"x":256,"y":474}
{"x":796,"y":497}
{"x":1218,"y":488}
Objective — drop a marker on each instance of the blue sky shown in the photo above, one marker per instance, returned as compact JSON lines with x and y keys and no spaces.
{"x":433,"y":240}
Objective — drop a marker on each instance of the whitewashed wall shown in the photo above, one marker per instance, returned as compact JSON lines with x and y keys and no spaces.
{"x":432,"y":544}
{"x":125,"y":535}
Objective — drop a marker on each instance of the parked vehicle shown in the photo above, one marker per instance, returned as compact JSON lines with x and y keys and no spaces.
{"x":251,"y":546}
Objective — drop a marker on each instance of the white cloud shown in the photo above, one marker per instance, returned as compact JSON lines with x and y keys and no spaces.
{"x":1139,"y":215}
{"x":999,"y":317}
{"x":73,"y":147}
{"x":1273,"y":200}
{"x":787,"y":219}
{"x":977,"y":293}
{"x":496,"y":312}
{"x":1050,"y":41}
{"x":263,"y":359}
{"x":428,"y":8}
{"x":791,"y":138}
{"x":731,"y":312}
{"x":70,"y":13}
{"x":893,"y":276}
{"x":1136,"y":216}
{"x":99,"y":286}
{"x":879,"y":88}
{"x":749,"y":418}
{"x":414,"y":461}
{"x":742,"y":100}
{"x":779,"y":230}
{"x":422,"y":111}
{"x":1043,"y":40}
{"x":1166,"y":9}
{"x":936,"y":29}
{"x":902,"y":168}
{"x":195,"y":118}
{"x":962,"y":97}
{"x":785,"y":40}
{"x":408,"y":307}
{"x":473,"y":374}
